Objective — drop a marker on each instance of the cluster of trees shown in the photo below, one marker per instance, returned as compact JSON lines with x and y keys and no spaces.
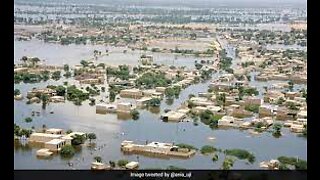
{"x":61,"y":90}
{"x":207,"y":149}
{"x":152,"y":80}
{"x":298,"y":164}
{"x":19,"y":132}
{"x":227,"y":163}
{"x":69,"y":150}
{"x":93,"y":90}
{"x":154,"y":102}
{"x":241,"y":154}
{"x":171,"y":92}
{"x":277,"y":130}
{"x":208,"y":118}
{"x":17,"y":92}
{"x":225,"y":62}
{"x":187,"y":146}
{"x":135,"y":114}
{"x":113,"y":91}
{"x":56,"y":75}
{"x":248,"y":91}
{"x":206,"y":74}
{"x":28,"y":78}
{"x":121,"y":72}
{"x":76,"y":95}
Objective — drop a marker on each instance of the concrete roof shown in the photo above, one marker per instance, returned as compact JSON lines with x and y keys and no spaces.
{"x":55,"y":141}
{"x":158,"y":144}
{"x":46,"y":135}
{"x":54,"y":130}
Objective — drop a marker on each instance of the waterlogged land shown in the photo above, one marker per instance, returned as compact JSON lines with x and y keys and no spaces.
{"x":208,"y":48}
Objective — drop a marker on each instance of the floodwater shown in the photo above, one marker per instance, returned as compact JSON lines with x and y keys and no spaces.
{"x":111,"y":131}
{"x":57,"y":54}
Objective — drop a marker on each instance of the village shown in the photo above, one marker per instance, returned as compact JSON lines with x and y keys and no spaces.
{"x":243,"y":84}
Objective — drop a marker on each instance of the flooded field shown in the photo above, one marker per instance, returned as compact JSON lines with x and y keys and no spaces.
{"x":57,"y":54}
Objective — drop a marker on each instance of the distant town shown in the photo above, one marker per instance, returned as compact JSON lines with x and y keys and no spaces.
{"x":107,"y":87}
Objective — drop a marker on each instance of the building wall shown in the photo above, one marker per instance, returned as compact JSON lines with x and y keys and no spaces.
{"x":41,"y":139}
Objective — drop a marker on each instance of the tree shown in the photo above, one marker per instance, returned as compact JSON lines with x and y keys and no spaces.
{"x":122,"y":162}
{"x":66,"y":67}
{"x":227,"y":163}
{"x":34,"y":61}
{"x":91,"y":136}
{"x":135,"y":114}
{"x":304,"y":132}
{"x":277,"y":129}
{"x":198,"y":66}
{"x":112,"y":164}
{"x":17,"y":130}
{"x":24,"y":59}
{"x":221,"y":99}
{"x":68,"y":131}
{"x":207,"y":149}
{"x":61,"y":91}
{"x":67,"y":74}
{"x":28,"y":119}
{"x":112,"y":96}
{"x":56,"y":75}
{"x":44,"y":126}
{"x":78,"y":139}
{"x":25,"y":132}
{"x":154,"y":102}
{"x":98,"y":159}
{"x":169,"y":92}
{"x":215,"y":157}
{"x":17,"y":92}
{"x":67,"y":151}
{"x":84,"y":63}
{"x":44,"y":98}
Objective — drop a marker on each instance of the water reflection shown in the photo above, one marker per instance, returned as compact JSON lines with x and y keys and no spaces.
{"x":154,"y":110}
{"x":21,"y":145}
{"x":124,"y":116}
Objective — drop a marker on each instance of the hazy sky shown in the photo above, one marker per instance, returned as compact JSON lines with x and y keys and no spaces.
{"x":190,"y":3}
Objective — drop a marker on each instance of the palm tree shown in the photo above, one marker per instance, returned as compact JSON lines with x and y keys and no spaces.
{"x":34,"y":61}
{"x":222,"y":99}
{"x":24,"y":59}
{"x":44,"y":98}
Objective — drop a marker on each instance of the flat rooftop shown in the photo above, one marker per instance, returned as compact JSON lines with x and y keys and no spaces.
{"x":55,"y":141}
{"x":46,"y":135}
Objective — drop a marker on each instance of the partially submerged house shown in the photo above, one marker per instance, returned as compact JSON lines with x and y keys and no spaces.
{"x":229,"y":121}
{"x":55,"y":144}
{"x":131,"y":93}
{"x":43,"y":137}
{"x":143,"y":101}
{"x":165,"y":149}
{"x":265,"y":110}
{"x":125,"y":107}
{"x":54,"y":131}
{"x":46,"y":91}
{"x":173,"y":116}
{"x":104,"y":108}
{"x":201,"y":101}
{"x":132,"y":165}
{"x":44,"y":152}
{"x":161,"y":89}
{"x":57,"y":99}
